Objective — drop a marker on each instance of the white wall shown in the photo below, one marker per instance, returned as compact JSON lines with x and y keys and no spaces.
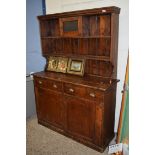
{"x":55,"y":6}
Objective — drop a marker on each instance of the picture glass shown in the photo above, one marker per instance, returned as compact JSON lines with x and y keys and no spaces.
{"x":76,"y":66}
{"x":52,"y":64}
{"x":70,"y":25}
{"x":62,"y":65}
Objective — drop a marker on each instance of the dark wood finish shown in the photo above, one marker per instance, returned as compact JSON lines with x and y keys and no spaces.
{"x":114,"y":42}
{"x":48,"y":84}
{"x":75,"y":102}
{"x":82,"y":108}
{"x":96,"y":37}
{"x":50,"y":106}
{"x":80,"y":117}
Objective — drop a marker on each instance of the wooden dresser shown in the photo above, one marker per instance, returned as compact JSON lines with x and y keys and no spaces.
{"x":80,"y":107}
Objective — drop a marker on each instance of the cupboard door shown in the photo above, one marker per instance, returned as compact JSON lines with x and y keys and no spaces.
{"x":70,"y":26}
{"x":50,"y":106}
{"x":80,"y":117}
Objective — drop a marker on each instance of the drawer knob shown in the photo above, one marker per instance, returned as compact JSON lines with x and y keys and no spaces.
{"x":71,"y":90}
{"x":40,"y":82}
{"x":103,"y":10}
{"x":92,"y":94}
{"x":55,"y":86}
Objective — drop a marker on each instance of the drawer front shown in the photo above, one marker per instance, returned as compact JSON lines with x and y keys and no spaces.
{"x":83,"y":92}
{"x":74,"y":90}
{"x":93,"y":94}
{"x":49,"y":84}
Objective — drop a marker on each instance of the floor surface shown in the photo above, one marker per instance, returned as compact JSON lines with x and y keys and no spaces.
{"x":43,"y":141}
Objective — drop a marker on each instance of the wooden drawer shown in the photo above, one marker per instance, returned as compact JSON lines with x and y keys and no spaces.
{"x":93,"y":94}
{"x":49,"y":84}
{"x":75,"y":90}
{"x":83,"y":92}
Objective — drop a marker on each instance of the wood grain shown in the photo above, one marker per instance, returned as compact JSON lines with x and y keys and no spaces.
{"x":82,"y":108}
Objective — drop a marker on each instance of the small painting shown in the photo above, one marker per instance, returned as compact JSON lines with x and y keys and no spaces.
{"x":52,"y":64}
{"x":62,"y":65}
{"x":76,"y":66}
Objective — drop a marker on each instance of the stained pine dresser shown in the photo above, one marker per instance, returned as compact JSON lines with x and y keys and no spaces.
{"x":80,"y":107}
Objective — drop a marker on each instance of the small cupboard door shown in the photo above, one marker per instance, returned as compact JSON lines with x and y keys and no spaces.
{"x":71,"y":26}
{"x":80,"y":117}
{"x":50,"y":106}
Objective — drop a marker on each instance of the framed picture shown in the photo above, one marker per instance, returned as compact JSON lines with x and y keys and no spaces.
{"x":62,"y":65}
{"x":52,"y":63}
{"x":76,"y":66}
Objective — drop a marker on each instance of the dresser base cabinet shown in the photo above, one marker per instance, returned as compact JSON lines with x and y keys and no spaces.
{"x":86,"y":114}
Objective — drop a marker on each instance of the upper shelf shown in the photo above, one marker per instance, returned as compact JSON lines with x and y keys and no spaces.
{"x":92,"y":57}
{"x":79,"y":26}
{"x":87,"y":37}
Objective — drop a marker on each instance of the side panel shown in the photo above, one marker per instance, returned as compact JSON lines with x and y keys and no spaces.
{"x":109,"y":114}
{"x":114,"y":42}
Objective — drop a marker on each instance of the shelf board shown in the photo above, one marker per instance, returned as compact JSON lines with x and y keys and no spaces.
{"x":93,"y":57}
{"x":57,"y":37}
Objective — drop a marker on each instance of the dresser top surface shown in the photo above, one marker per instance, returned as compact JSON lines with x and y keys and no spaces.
{"x":90,"y":81}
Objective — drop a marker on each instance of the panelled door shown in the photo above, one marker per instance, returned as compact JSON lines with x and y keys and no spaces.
{"x":50,"y":106}
{"x":80,"y":117}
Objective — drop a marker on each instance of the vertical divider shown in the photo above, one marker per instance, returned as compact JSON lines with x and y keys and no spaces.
{"x":78,"y":47}
{"x":96,"y":48}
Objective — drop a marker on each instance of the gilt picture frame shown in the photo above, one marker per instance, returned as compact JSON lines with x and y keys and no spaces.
{"x":52,"y":64}
{"x":76,"y":66}
{"x":62,"y":65}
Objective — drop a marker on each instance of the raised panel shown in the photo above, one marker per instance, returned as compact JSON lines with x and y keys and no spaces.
{"x":80,"y":117}
{"x":71,"y":26}
{"x":50,"y":106}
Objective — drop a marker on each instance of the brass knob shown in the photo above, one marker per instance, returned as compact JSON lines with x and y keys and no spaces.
{"x":103,"y":10}
{"x":92,"y":94}
{"x":55,"y":86}
{"x":71,"y":90}
{"x":40,"y":82}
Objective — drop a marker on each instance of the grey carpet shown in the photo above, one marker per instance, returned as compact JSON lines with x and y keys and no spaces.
{"x":43,"y":141}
